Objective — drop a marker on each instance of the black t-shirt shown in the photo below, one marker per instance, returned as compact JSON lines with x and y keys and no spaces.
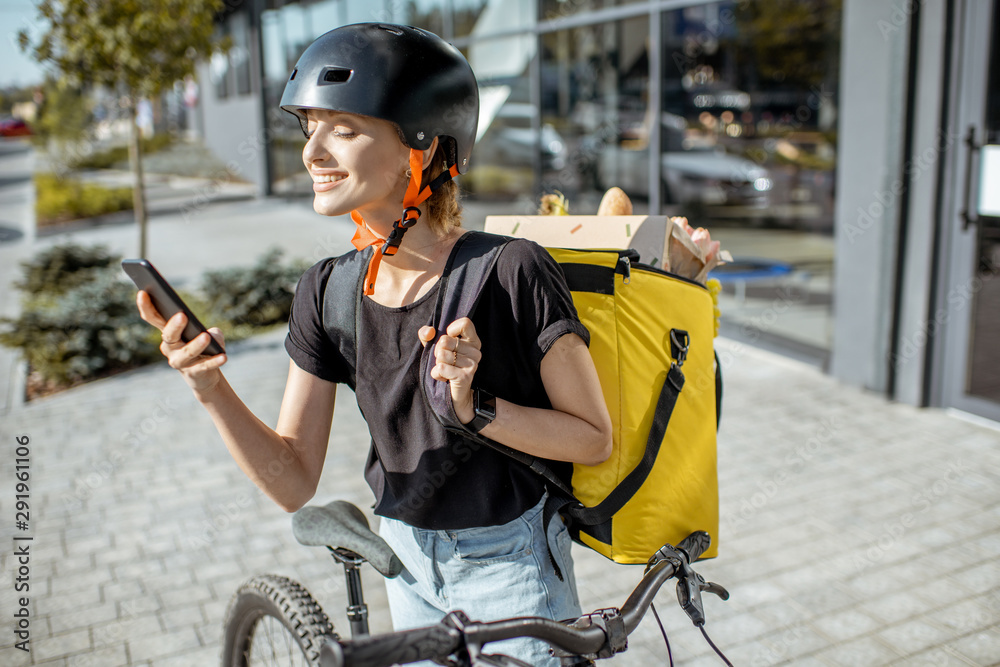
{"x":421,"y":473}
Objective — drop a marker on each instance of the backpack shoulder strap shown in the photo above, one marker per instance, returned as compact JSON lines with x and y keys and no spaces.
{"x":341,"y":305}
{"x":465,"y":275}
{"x":464,"y":278}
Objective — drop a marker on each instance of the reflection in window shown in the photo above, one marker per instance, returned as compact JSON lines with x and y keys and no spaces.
{"x":595,"y":112}
{"x":556,"y":9}
{"x":748,"y":149}
{"x":275,"y":67}
{"x":295,"y":33}
{"x":481,"y":18}
{"x":218,"y":66}
{"x":325,"y":16}
{"x":239,"y":55}
{"x":428,"y":14}
{"x":283,"y":40}
{"x":502,"y":163}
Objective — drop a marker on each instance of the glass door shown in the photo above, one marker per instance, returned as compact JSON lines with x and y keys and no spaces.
{"x":971,"y":355}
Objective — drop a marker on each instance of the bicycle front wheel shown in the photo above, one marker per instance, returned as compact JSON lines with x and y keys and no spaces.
{"x":273,"y":620}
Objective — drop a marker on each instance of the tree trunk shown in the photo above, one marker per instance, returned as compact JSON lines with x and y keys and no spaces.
{"x":138,"y":187}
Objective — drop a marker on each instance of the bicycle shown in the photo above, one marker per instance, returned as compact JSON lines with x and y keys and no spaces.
{"x":270,"y":614}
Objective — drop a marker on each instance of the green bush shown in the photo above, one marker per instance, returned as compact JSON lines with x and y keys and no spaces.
{"x":62,"y":199}
{"x":256,"y":297}
{"x":62,"y":267}
{"x":93,"y":329}
{"x":79,"y":320}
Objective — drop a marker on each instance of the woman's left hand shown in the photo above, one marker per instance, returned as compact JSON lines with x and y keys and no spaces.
{"x":457,"y":356}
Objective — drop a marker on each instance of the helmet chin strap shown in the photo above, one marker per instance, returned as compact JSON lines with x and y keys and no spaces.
{"x":415,"y":195}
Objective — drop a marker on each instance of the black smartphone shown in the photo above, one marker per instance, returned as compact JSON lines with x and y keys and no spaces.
{"x":148,"y":279}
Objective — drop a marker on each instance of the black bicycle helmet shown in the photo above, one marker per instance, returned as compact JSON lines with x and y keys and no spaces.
{"x":398,"y":73}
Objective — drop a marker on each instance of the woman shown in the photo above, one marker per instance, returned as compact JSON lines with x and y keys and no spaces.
{"x":388,"y":110}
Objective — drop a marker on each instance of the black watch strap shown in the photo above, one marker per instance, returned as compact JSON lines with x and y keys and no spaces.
{"x":485,"y":406}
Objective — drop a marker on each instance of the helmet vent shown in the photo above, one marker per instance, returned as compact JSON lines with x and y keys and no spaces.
{"x":394,"y":31}
{"x":336,"y":75}
{"x":294,"y":72}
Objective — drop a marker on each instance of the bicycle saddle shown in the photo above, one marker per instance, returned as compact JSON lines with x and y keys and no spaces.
{"x":340,"y":524}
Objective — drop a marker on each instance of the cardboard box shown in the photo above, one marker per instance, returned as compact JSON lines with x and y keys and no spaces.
{"x":646,"y":233}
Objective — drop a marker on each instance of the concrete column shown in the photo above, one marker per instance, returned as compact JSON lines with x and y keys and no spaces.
{"x":871,"y":132}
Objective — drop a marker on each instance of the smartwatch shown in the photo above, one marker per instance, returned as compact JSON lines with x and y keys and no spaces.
{"x":485,"y":406}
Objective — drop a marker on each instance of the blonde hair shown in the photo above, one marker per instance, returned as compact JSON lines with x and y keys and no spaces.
{"x":444,"y":209}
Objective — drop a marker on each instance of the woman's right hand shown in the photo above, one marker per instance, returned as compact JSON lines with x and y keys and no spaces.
{"x":201,"y":373}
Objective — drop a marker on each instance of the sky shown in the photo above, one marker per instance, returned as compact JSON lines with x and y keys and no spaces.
{"x":16,"y":67}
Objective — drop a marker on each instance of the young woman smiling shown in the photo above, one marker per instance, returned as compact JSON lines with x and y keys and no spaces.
{"x":390,"y":113}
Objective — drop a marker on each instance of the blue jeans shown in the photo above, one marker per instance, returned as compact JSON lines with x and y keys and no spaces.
{"x":490,"y":573}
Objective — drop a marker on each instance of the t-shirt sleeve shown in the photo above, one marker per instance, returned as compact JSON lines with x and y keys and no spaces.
{"x":307,"y":342}
{"x":543,"y":303}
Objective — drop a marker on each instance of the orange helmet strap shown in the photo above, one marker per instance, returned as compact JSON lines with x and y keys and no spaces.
{"x":415,"y":195}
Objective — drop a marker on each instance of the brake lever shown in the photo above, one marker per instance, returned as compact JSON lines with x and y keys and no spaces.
{"x":712,"y":587}
{"x":690,"y":584}
{"x":689,"y":588}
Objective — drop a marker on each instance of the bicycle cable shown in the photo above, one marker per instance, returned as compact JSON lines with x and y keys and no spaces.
{"x":670,"y":655}
{"x":714,"y":647}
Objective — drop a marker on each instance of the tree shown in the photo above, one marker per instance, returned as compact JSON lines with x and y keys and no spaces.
{"x":793,"y":41}
{"x":63,"y":119}
{"x":137,"y":48}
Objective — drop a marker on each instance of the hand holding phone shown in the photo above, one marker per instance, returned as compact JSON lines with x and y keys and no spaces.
{"x":166,"y":300}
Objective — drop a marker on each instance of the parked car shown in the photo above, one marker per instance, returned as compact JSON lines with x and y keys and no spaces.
{"x":711,"y":176}
{"x":692,"y":173}
{"x":14,"y":127}
{"x":510,"y":140}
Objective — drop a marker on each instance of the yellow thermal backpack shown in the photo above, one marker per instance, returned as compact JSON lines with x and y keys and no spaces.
{"x":651,"y":336}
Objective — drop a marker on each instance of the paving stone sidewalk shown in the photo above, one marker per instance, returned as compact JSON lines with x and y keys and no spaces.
{"x":854,"y":532}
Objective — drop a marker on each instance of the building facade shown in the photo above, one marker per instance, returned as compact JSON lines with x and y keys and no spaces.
{"x":824,"y":142}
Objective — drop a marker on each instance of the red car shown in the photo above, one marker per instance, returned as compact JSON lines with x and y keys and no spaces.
{"x":14,"y":127}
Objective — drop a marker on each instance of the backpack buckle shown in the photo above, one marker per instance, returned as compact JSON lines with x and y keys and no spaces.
{"x":680,"y":341}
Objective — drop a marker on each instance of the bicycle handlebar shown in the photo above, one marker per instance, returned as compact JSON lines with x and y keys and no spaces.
{"x":600,"y":634}
{"x":396,"y":647}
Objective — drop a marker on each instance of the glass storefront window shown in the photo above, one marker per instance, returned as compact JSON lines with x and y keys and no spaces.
{"x":556,"y":9}
{"x":275,"y":65}
{"x":283,"y":38}
{"x":737,"y":133}
{"x":477,"y":19}
{"x":502,"y":166}
{"x":239,"y":55}
{"x":218,"y":66}
{"x":748,"y":150}
{"x":596,"y":113}
{"x":326,"y":15}
{"x":427,"y":14}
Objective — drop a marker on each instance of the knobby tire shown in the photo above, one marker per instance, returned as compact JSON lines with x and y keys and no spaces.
{"x":268,"y":615}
